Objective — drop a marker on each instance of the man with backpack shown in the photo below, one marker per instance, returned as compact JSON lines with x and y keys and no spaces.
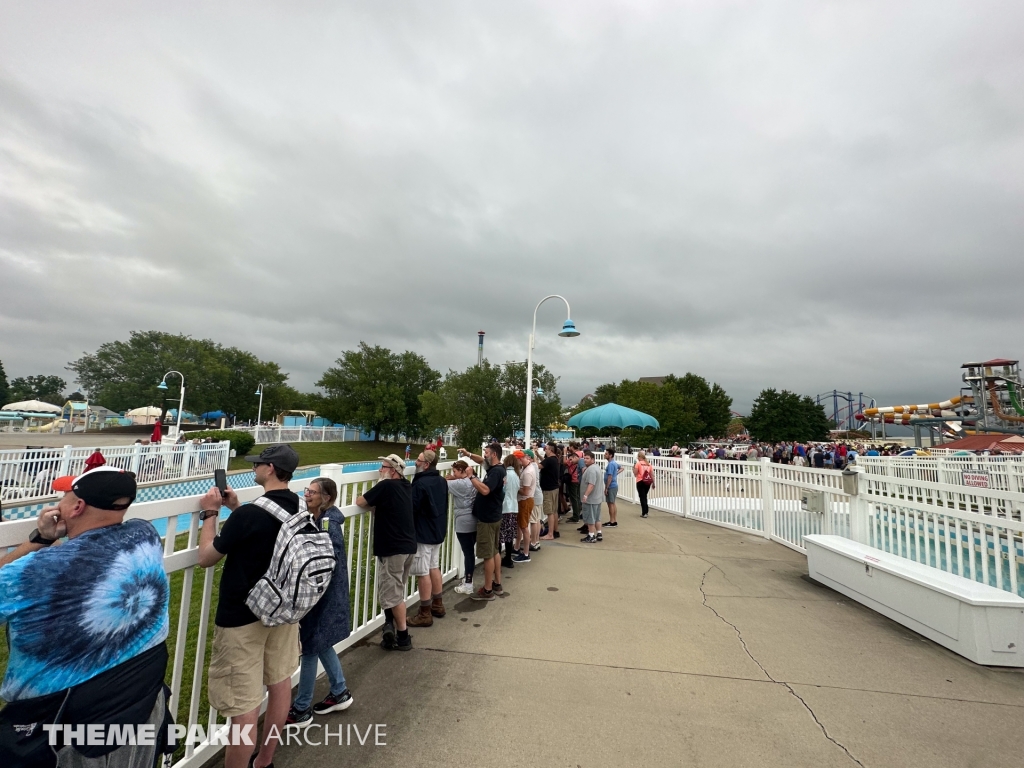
{"x":248,"y":655}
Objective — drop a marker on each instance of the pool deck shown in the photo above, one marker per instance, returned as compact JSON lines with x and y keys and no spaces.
{"x":671,"y":643}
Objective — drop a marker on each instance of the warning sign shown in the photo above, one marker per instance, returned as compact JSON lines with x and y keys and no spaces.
{"x":976,"y":479}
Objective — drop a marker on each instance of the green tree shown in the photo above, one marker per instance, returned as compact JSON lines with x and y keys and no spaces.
{"x":585,"y":404}
{"x":547,"y":405}
{"x":712,"y":402}
{"x":606,"y":393}
{"x":377,"y":390}
{"x":786,"y":416}
{"x":122,"y":375}
{"x":5,"y":388}
{"x":471,"y":401}
{"x":49,"y":389}
{"x":686,"y":408}
{"x":490,"y":401}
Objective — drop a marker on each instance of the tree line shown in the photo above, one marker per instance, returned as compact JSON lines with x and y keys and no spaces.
{"x":687,"y":408}
{"x":391,"y":393}
{"x":373,"y":388}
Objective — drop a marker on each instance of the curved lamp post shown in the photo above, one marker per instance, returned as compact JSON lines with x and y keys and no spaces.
{"x":181,"y":401}
{"x":568,"y":330}
{"x":259,"y":413}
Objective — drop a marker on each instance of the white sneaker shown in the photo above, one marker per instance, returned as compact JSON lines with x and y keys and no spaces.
{"x":465,"y":588}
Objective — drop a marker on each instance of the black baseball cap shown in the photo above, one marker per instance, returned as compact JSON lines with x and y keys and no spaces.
{"x":282,"y":456}
{"x":102,"y":487}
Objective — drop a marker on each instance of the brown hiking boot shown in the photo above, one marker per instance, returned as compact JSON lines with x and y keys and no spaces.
{"x":421,"y":619}
{"x":437,"y":608}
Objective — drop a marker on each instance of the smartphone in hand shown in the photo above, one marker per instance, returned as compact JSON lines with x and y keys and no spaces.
{"x":220,"y":479}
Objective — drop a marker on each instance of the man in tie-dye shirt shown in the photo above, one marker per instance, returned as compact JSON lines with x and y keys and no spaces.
{"x":94,"y":603}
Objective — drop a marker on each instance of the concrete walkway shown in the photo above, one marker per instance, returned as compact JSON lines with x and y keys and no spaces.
{"x":672,"y":643}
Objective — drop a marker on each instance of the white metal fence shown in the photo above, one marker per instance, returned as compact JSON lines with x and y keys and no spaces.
{"x":1004,"y":473}
{"x":914,"y":507}
{"x":277,"y":434}
{"x":27,"y":474}
{"x":193,"y":604}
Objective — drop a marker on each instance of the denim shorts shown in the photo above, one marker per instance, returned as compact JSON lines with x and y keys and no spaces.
{"x":591,"y":513}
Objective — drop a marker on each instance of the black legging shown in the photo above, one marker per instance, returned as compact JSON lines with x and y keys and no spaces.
{"x":467,"y":541}
{"x":642,"y":489}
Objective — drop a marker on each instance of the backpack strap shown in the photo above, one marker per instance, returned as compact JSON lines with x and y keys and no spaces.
{"x":275,"y":509}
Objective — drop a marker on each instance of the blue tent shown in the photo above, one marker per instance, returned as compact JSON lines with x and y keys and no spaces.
{"x":211,"y":415}
{"x":613,"y":415}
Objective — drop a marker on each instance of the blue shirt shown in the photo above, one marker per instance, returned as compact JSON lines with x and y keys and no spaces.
{"x":611,"y":469}
{"x":83,"y":607}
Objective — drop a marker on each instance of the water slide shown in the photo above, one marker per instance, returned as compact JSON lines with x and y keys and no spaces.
{"x":997,"y":409}
{"x":1014,"y":397}
{"x":45,"y":427}
{"x":907,"y":414}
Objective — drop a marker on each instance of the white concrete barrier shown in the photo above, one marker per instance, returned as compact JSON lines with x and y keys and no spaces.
{"x":979,"y":622}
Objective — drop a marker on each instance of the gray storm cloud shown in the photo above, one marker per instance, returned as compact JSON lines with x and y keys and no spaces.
{"x":806,"y":196}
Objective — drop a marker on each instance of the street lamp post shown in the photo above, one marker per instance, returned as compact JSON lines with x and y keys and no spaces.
{"x":181,"y":400}
{"x":568,"y":330}
{"x":259,"y":413}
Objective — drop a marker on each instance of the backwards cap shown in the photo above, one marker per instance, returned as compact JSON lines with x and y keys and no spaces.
{"x":102,"y":487}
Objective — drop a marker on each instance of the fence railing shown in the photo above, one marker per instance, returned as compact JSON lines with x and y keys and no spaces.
{"x":277,"y":434}
{"x":27,"y":474}
{"x":897,"y":505}
{"x":1005,"y":473}
{"x":193,"y":605}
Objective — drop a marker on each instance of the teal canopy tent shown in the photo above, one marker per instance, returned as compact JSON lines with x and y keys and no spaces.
{"x":613,"y":416}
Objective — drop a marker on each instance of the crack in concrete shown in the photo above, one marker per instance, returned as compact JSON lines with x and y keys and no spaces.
{"x":708,"y":675}
{"x":787,"y":686}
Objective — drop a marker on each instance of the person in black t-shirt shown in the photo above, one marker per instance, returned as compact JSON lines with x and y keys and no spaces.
{"x":487,"y":509}
{"x":430,"y":512}
{"x":246,"y":654}
{"x":550,"y":476}
{"x":394,"y":545}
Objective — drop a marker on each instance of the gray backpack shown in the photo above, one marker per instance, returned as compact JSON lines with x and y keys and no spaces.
{"x":300,"y":568}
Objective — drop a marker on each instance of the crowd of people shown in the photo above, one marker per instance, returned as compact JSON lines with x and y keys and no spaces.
{"x":836,"y":455}
{"x":67,"y":655}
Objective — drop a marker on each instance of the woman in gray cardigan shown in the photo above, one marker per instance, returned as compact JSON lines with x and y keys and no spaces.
{"x":329,"y":622}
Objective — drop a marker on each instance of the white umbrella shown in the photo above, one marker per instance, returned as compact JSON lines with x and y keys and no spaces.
{"x":34,"y":406}
{"x":149,"y":410}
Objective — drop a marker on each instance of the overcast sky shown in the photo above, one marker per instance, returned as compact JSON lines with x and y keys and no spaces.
{"x":804,"y":195}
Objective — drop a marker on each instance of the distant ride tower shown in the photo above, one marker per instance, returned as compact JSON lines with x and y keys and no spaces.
{"x":480,"y":348}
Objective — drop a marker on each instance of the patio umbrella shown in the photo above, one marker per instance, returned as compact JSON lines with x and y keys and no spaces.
{"x":614,"y":416}
{"x":36,"y":406}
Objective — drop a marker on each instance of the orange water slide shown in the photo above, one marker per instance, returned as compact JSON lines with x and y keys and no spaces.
{"x":925,"y":409}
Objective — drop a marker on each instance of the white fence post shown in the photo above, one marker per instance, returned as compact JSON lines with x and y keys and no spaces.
{"x":136,"y":458}
{"x":186,"y":459}
{"x":65,"y":462}
{"x":859,"y":511}
{"x":767,"y":499}
{"x":687,"y":489}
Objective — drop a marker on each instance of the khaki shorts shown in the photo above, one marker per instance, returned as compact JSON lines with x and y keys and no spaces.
{"x":488,"y":539}
{"x":428,"y":557}
{"x":525,"y":508}
{"x":247,"y":658}
{"x":551,"y":502}
{"x":392,"y":576}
